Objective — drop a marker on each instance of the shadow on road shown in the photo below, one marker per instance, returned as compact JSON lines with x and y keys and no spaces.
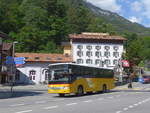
{"x":15,"y":94}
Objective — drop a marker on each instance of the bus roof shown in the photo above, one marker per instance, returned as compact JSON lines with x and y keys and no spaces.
{"x":54,"y":64}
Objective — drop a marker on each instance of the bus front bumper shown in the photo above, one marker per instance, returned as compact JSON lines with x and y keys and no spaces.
{"x":59,"y":89}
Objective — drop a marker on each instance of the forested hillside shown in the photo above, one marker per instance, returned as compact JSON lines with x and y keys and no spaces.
{"x":41,"y":25}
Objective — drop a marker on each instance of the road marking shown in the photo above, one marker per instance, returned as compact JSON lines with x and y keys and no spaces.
{"x":125,"y":109}
{"x":131,"y":106}
{"x":118,"y":111}
{"x":70,"y":104}
{"x":14,"y":105}
{"x":87,"y":101}
{"x":59,"y":100}
{"x":40,"y":102}
{"x":24,"y":111}
{"x":51,"y":107}
{"x":135,"y":104}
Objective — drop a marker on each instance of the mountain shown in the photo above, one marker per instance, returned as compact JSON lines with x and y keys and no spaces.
{"x":120,"y":24}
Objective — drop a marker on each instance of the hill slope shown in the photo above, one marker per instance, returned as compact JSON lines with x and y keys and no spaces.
{"x":120,"y":24}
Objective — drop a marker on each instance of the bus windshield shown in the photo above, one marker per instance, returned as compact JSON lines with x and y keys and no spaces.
{"x":60,"y":75}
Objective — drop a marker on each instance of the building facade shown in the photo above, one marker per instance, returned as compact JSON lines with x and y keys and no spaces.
{"x":96,"y":49}
{"x":34,"y":70}
{"x":3,"y":36}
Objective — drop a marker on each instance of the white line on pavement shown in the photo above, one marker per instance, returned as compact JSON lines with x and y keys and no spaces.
{"x":125,"y":109}
{"x":87,"y":101}
{"x":59,"y":100}
{"x":70,"y":104}
{"x":40,"y":102}
{"x":24,"y":111}
{"x":14,"y":105}
{"x":51,"y":107}
{"x":118,"y":111}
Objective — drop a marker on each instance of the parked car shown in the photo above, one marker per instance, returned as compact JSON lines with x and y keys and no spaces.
{"x":145,"y":79}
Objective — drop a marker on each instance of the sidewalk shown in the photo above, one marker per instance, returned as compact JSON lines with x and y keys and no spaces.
{"x":135,"y":86}
{"x":5,"y":91}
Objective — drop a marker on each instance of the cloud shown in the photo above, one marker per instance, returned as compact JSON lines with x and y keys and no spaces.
{"x":135,"y":19}
{"x":147,"y":8}
{"x":136,"y":6}
{"x":110,"y":5}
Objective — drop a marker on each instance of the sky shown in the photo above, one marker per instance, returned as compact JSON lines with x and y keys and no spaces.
{"x":134,"y":10}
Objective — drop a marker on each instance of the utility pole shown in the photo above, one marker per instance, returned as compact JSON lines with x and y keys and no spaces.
{"x":12,"y":66}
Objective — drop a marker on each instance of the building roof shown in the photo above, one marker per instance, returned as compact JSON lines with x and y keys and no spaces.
{"x":3,"y":35}
{"x":7,"y":46}
{"x":43,"y":57}
{"x":97,"y":36}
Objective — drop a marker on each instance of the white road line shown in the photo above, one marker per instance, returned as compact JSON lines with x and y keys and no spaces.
{"x":70,"y":104}
{"x":131,"y":106}
{"x":118,"y":111}
{"x":14,"y":105}
{"x":51,"y":107}
{"x":24,"y":111}
{"x":135,"y":104}
{"x":125,"y":109}
{"x":40,"y":102}
{"x":59,"y":100}
{"x":87,"y":101}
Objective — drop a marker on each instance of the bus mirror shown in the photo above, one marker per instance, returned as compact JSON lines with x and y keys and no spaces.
{"x":70,"y":71}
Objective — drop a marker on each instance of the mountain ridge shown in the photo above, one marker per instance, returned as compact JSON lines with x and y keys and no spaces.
{"x":120,"y":23}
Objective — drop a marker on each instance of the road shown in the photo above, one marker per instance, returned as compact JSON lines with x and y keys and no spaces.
{"x":116,"y":101}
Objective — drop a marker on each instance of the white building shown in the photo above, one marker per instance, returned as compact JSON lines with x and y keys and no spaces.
{"x":34,"y":69}
{"x":96,"y":49}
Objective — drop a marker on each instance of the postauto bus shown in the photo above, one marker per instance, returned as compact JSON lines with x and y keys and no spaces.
{"x":68,"y":78}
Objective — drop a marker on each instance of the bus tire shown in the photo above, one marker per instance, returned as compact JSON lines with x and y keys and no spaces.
{"x":104,"y":90}
{"x":61,"y":94}
{"x":80,"y":91}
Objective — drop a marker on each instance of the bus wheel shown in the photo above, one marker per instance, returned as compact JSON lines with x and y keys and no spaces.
{"x":80,"y":91}
{"x":61,"y":94}
{"x":104,"y":90}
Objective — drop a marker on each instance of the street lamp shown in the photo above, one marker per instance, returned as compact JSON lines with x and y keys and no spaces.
{"x":12,"y":65}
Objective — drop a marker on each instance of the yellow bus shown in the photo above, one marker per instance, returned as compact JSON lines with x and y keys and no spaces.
{"x":68,"y":78}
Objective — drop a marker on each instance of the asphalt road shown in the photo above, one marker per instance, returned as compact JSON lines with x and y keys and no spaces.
{"x":117,"y":101}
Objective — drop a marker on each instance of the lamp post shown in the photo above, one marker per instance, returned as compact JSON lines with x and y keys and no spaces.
{"x":12,"y":65}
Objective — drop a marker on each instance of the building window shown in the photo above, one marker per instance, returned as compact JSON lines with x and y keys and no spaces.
{"x":89,"y":47}
{"x":89,"y":61}
{"x":88,"y":53}
{"x":46,"y":75}
{"x":32,"y":74}
{"x":37,"y":58}
{"x":107,"y":47}
{"x":97,"y":61}
{"x":17,"y":77}
{"x":116,"y":48}
{"x":115,"y":62}
{"x":97,"y":47}
{"x":97,"y":53}
{"x":107,"y":62}
{"x":80,"y":47}
{"x":107,"y":54}
{"x":116,"y":54}
{"x":79,"y":61}
{"x":79,"y":53}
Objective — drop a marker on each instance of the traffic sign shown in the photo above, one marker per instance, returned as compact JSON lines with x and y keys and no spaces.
{"x":125,"y":63}
{"x":19,"y":60}
{"x":9,"y":60}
